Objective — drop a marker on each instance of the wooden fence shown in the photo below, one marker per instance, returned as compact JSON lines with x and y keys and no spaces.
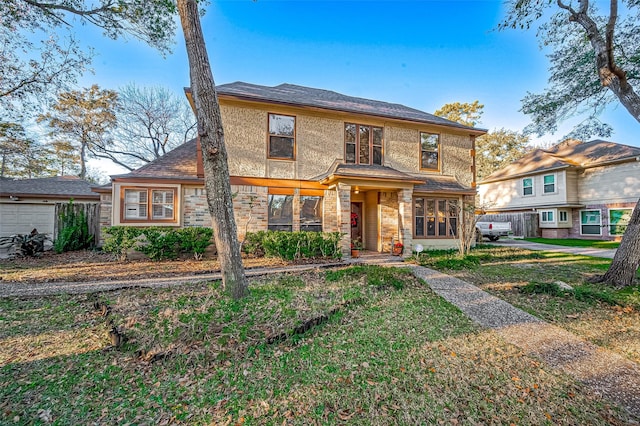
{"x":91,"y":211}
{"x":522,"y":224}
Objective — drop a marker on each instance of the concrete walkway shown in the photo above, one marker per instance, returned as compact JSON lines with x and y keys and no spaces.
{"x":605,"y":372}
{"x":585,"y":251}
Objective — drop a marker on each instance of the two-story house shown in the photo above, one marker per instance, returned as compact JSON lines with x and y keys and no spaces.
{"x":316,"y":160}
{"x":578,"y":190}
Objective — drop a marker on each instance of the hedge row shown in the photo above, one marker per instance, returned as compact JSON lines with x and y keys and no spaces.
{"x":157,"y":242}
{"x":293,"y":245}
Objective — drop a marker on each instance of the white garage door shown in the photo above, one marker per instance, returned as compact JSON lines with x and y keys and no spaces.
{"x":22,"y":218}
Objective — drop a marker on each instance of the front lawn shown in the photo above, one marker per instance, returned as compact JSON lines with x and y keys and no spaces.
{"x":361,"y":345}
{"x":606,"y":316}
{"x":572,"y":242}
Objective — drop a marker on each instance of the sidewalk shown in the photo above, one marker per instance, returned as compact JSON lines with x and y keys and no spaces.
{"x":585,"y":251}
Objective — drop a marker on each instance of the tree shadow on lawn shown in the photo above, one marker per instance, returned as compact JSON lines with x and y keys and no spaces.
{"x":394,"y":355}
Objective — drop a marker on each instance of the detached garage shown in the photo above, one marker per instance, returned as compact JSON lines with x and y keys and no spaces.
{"x":26,"y":204}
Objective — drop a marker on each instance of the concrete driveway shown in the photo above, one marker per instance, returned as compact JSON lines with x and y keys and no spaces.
{"x":585,"y":251}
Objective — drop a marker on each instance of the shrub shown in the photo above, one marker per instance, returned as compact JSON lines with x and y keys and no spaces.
{"x":157,"y":242}
{"x":74,"y":230}
{"x":120,"y":240}
{"x":195,"y":240}
{"x":293,"y":245}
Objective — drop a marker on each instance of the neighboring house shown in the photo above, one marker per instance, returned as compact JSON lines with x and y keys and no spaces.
{"x":315,"y":160}
{"x":578,"y":190}
{"x":26,"y":204}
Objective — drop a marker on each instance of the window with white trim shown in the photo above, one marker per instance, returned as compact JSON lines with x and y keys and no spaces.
{"x":547,"y":216}
{"x":563,"y":216}
{"x":549,"y":184}
{"x":590,"y":222}
{"x":527,"y":186}
{"x":618,"y":220}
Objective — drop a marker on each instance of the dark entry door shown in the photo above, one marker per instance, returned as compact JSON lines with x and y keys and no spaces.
{"x":356,"y":222}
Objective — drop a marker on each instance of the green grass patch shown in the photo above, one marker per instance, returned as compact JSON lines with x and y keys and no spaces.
{"x":384,"y":353}
{"x":572,"y":242}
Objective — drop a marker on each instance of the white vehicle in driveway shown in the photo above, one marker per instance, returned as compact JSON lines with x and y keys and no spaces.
{"x":492,"y":230}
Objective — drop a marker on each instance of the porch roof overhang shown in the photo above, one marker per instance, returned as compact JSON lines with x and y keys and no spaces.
{"x":369,"y":177}
{"x":533,"y":209}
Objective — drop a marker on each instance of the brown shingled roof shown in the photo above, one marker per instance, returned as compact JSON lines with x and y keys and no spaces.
{"x":291,"y":94}
{"x":566,"y":155}
{"x":442,"y":184}
{"x":179,"y":163}
{"x":54,"y":187}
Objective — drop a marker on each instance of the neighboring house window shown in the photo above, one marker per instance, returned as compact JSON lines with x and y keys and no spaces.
{"x":527,"y":186}
{"x":590,"y":222}
{"x":618,"y":220}
{"x":546,"y":216}
{"x":138,"y":203}
{"x":549,"y":184}
{"x":429,"y":151}
{"x":362,"y":144}
{"x":563,"y":216}
{"x":435,"y":218}
{"x":280,"y":213}
{"x":310,"y":213}
{"x":282,"y":141}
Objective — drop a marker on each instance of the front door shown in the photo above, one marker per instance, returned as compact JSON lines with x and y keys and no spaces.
{"x":356,"y":223}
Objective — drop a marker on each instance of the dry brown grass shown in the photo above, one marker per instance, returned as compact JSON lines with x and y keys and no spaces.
{"x":98,"y":266}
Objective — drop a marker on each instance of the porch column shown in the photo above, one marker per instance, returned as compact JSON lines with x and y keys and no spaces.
{"x":344,"y":217}
{"x":405,"y":220}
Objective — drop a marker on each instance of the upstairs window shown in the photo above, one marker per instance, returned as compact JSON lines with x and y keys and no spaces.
{"x":429,"y":151}
{"x":549,"y":184}
{"x":362,"y":144}
{"x":527,"y":186}
{"x":282,"y":140}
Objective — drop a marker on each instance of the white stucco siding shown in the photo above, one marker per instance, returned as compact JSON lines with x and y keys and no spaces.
{"x":611,"y":184}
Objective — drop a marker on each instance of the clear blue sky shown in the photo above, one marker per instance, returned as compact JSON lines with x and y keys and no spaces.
{"x":422,"y":54}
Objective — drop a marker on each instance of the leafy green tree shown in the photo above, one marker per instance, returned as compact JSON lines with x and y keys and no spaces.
{"x":595,"y":61}
{"x":494,"y":150}
{"x":65,"y":157}
{"x":84,"y":118}
{"x":22,"y":157}
{"x":464,"y":113}
{"x":153,"y":21}
{"x":499,"y":148}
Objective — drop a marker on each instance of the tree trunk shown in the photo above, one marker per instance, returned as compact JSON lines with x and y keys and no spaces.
{"x":214,"y":153}
{"x":627,"y":259}
{"x":625,"y":263}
